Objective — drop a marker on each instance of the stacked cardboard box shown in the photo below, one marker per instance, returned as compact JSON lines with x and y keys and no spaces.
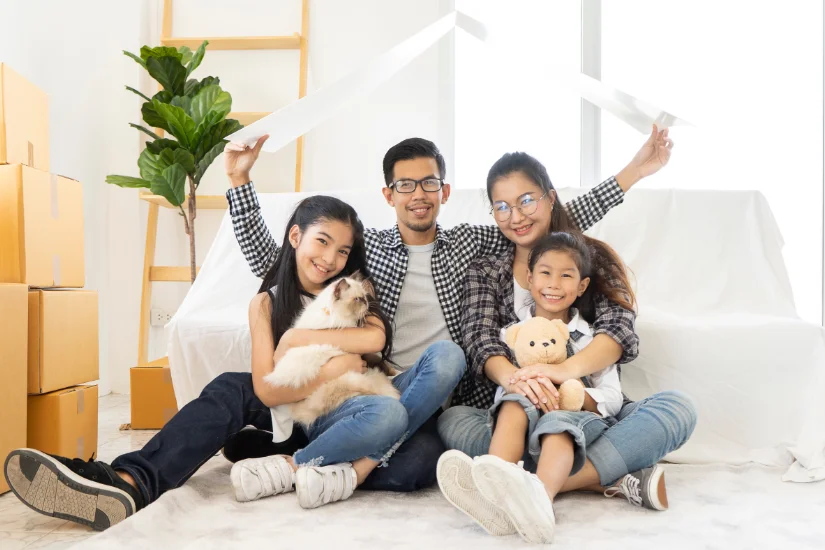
{"x":41,"y":253}
{"x":13,"y":326}
{"x":152,"y":395}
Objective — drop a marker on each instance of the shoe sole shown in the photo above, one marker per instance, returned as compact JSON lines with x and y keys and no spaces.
{"x":47,"y":486}
{"x":455,"y":479}
{"x":501,"y":487}
{"x":657,"y":491}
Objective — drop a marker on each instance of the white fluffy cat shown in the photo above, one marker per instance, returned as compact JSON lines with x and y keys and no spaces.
{"x":342,"y":304}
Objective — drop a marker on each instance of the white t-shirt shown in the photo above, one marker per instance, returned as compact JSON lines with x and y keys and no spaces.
{"x":606,"y":389}
{"x":419,"y":319}
{"x":282,"y":423}
{"x":522,"y":301}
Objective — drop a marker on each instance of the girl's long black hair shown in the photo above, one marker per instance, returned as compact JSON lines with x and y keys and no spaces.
{"x":286,"y":298}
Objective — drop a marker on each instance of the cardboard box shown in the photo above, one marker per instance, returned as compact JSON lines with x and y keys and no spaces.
{"x":13,"y":327}
{"x":153,"y":397}
{"x":64,"y":422}
{"x":63,"y":339}
{"x":41,"y":228}
{"x":24,"y":121}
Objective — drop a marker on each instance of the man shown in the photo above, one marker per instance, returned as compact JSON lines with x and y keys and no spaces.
{"x":417,"y":269}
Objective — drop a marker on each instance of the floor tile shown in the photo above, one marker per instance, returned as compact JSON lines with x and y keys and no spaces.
{"x":14,"y":540}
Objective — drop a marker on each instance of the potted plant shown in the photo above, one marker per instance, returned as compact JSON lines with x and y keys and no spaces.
{"x":191,"y":111}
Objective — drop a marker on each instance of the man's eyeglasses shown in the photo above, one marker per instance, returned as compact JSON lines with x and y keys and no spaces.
{"x":527,"y":206}
{"x":430,"y":185}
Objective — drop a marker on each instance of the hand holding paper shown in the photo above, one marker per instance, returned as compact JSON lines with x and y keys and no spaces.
{"x":654,"y":154}
{"x":239,"y":158}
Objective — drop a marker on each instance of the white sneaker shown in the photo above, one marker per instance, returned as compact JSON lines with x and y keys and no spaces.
{"x":319,"y":485}
{"x":520,"y":494}
{"x":455,"y":479}
{"x":255,"y":478}
{"x":643,"y":488}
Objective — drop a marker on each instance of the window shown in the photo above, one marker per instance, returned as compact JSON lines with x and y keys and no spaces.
{"x":748,"y":75}
{"x":503,"y":107}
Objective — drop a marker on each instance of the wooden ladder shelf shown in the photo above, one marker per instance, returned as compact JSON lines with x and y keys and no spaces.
{"x":153,"y":273}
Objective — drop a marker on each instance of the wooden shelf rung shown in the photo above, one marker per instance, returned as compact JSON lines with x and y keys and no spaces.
{"x":238,"y":42}
{"x":247,"y":118}
{"x":167,"y":273}
{"x":205,"y":202}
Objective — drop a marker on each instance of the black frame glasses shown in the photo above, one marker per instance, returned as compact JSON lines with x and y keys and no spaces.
{"x":416,"y":183}
{"x":526,"y":210}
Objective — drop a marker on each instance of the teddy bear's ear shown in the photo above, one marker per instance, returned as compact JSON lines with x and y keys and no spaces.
{"x":511,"y":334}
{"x":562,"y":326}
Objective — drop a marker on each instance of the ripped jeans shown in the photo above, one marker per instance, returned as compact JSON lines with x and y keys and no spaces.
{"x":375,"y":426}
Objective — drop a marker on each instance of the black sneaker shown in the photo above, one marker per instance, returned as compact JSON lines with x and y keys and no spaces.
{"x":86,"y":492}
{"x":251,"y":442}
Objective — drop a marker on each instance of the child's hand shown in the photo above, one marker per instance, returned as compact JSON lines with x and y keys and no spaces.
{"x":555,"y":373}
{"x":238,"y":160}
{"x":544,"y":397}
{"x":349,"y":362}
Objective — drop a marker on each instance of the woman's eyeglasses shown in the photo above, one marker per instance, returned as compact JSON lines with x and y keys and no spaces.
{"x":527,"y":206}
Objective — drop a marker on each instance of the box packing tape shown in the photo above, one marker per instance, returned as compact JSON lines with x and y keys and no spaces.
{"x":55,"y":211}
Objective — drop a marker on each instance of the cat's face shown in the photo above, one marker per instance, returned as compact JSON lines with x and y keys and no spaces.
{"x":349,"y":299}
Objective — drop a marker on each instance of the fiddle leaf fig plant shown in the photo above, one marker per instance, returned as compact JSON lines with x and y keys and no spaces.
{"x":193,"y":113}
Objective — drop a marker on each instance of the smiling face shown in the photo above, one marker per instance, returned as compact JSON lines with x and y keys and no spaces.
{"x":321,"y":252}
{"x":418,"y":210}
{"x":516,"y":189}
{"x":555,"y":283}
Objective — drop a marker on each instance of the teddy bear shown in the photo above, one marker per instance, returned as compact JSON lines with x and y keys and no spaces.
{"x":540,"y":341}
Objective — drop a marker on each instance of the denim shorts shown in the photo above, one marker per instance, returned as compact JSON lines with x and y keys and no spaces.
{"x":584,"y":427}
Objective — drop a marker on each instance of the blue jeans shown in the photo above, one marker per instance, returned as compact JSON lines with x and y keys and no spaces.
{"x":376,"y":426}
{"x":638,"y":437}
{"x":228,"y":403}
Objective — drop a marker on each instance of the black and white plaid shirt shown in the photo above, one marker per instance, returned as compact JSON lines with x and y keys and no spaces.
{"x":488,"y":305}
{"x":455,"y":248}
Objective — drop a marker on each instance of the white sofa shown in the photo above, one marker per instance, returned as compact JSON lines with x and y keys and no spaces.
{"x":716,"y":317}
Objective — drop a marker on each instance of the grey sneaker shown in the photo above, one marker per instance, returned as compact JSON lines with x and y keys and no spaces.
{"x":644,"y":488}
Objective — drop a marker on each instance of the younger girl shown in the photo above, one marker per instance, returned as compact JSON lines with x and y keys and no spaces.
{"x":324,"y":239}
{"x":565,"y":271}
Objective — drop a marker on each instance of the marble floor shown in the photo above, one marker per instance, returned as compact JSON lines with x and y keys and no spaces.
{"x":21,"y":527}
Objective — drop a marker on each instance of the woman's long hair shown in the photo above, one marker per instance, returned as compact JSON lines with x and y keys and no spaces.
{"x":286,"y":298}
{"x":594,"y":259}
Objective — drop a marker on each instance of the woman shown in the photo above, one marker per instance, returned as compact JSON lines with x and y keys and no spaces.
{"x":622,"y":459}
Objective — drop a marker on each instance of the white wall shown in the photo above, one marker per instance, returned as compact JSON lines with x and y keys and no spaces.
{"x":73,"y":52}
{"x":345,"y":151}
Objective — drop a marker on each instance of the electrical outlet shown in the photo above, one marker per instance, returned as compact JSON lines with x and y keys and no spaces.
{"x":159,"y":318}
